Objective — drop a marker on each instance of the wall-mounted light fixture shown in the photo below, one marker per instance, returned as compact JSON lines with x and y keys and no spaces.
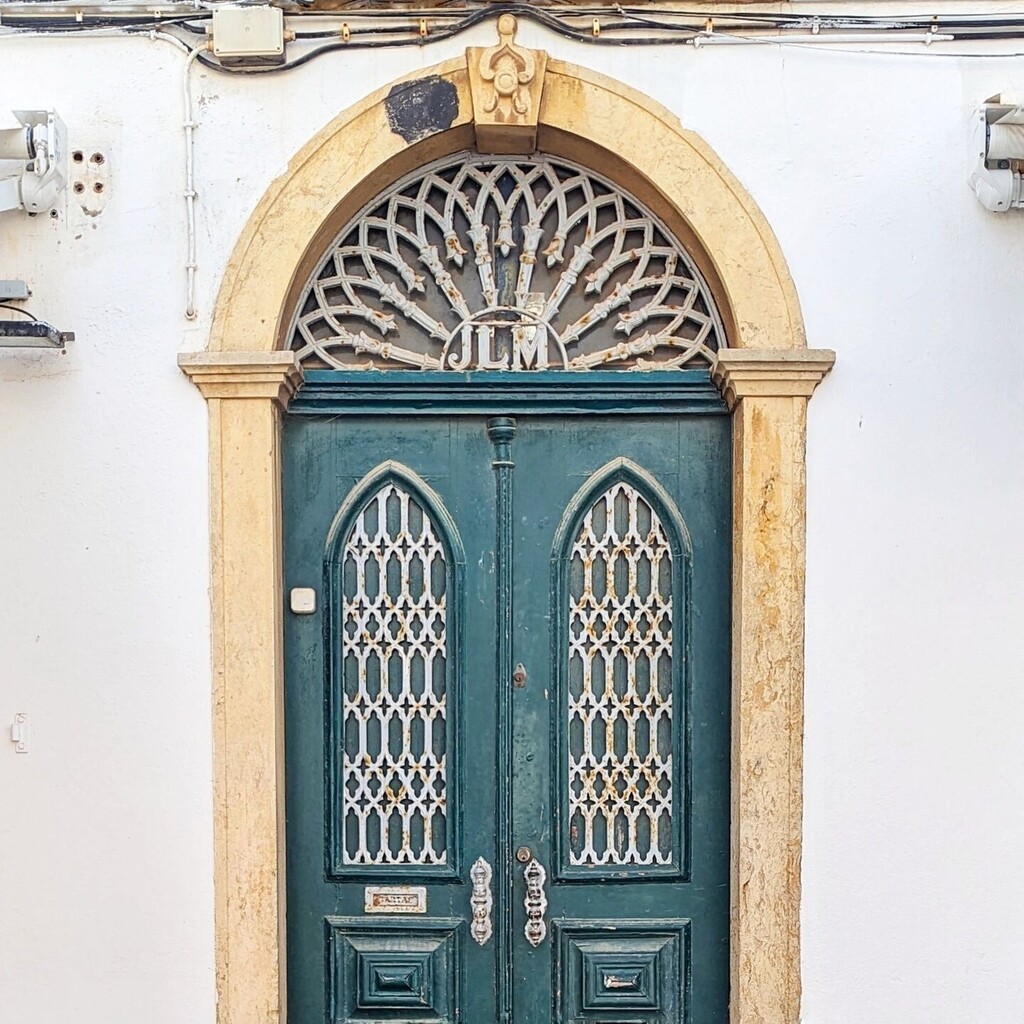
{"x":28,"y":332}
{"x":39,"y":150}
{"x":33,"y":171}
{"x":998,"y":139}
{"x":32,"y":334}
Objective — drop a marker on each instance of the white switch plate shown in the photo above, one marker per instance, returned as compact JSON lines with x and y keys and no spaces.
{"x":303,"y":600}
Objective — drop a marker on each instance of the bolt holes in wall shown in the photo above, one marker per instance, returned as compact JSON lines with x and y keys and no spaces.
{"x":90,"y":179}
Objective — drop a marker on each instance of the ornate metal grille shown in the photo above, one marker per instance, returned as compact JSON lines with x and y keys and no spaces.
{"x":620,"y":684}
{"x":506,"y":264}
{"x":394,"y":654}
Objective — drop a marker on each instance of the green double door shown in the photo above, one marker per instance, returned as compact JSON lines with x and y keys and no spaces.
{"x":507,"y":716}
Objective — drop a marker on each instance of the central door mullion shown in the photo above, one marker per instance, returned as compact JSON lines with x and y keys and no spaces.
{"x":501,"y":430}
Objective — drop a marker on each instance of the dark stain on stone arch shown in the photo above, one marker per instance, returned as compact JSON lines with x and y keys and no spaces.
{"x":421,"y":108}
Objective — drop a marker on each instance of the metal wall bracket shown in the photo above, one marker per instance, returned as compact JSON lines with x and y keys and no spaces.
{"x":20,"y":733}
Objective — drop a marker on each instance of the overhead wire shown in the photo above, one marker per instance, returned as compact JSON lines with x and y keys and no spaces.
{"x":16,"y":309}
{"x":618,"y":26}
{"x":655,"y":32}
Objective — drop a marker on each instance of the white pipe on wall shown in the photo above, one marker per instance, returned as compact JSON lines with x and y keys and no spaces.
{"x":190,"y":193}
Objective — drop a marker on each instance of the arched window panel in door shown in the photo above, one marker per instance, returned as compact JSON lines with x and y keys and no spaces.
{"x":393,"y":571}
{"x":621,"y":587}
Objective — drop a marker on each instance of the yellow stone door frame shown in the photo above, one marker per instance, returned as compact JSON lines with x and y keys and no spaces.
{"x":766,"y":374}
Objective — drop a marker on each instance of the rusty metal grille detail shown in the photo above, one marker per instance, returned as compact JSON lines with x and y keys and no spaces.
{"x":394,"y":654}
{"x":620,"y":735}
{"x":506,"y":264}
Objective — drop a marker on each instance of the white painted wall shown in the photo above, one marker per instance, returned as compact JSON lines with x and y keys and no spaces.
{"x":913,"y":894}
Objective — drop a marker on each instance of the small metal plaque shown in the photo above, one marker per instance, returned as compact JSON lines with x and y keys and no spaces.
{"x":395,"y":899}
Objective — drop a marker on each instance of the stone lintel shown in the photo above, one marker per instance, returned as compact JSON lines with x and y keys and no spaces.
{"x":770,"y":373}
{"x":272,"y":375}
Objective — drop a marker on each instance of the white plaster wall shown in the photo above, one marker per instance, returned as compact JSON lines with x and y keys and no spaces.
{"x":913,"y":897}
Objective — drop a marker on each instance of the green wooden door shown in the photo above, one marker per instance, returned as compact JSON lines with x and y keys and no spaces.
{"x":507,"y":718}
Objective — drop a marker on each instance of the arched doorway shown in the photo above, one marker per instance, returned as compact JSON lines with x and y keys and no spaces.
{"x":765,"y":375}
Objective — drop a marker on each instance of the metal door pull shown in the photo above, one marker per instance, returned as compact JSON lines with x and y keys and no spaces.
{"x":481,"y":901}
{"x":536,"y":902}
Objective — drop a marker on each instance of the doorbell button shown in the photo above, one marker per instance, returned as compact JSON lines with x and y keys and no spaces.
{"x":303,"y":600}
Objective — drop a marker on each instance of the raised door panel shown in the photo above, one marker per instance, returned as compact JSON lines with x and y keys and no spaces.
{"x":626,"y":970}
{"x":394,"y":971}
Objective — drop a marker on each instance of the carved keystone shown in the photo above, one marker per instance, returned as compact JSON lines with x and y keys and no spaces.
{"x":506,"y":82}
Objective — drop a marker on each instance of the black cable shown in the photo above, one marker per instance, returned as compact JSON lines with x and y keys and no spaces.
{"x":449,"y":32}
{"x":196,"y":30}
{"x":24,"y":312}
{"x":671,"y":33}
{"x":555,"y":21}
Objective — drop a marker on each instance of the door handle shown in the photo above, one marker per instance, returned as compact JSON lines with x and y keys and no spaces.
{"x":481,"y":901}
{"x":536,"y":902}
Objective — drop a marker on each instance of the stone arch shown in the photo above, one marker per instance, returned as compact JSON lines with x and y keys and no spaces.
{"x":583,"y":116}
{"x":766,"y":374}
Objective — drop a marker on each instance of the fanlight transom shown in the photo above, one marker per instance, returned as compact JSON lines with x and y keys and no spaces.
{"x":506,"y":264}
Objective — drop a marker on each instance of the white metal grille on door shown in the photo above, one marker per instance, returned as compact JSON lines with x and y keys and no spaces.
{"x":620,"y":760}
{"x":394,"y":655}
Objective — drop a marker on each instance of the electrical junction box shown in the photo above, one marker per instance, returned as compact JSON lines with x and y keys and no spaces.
{"x":248,"y":35}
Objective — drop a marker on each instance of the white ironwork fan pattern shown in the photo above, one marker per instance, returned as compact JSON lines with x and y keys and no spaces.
{"x":506,"y":264}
